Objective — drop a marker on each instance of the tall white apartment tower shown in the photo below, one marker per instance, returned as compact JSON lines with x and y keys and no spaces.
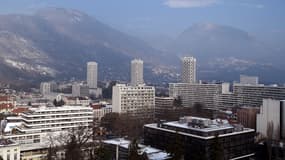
{"x":45,"y":88}
{"x":92,"y":74}
{"x":188,"y":70}
{"x":136,"y":72}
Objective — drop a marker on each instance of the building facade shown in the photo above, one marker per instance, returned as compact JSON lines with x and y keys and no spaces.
{"x":189,"y":70}
{"x":45,"y":88}
{"x":92,"y":74}
{"x":135,"y":100}
{"x":195,"y":93}
{"x":101,"y":110}
{"x":247,"y":116}
{"x":80,"y":90}
{"x":201,"y":138}
{"x":271,"y":119}
{"x":163,"y":105}
{"x":41,"y":124}
{"x":250,"y":80}
{"x":249,"y":95}
{"x":253,"y":95}
{"x":9,"y":150}
{"x":137,"y":72}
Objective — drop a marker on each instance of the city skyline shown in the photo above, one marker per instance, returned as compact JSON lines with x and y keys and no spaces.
{"x":142,"y":80}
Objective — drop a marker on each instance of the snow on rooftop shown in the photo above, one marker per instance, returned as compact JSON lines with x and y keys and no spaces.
{"x":10,"y":126}
{"x":152,"y":153}
{"x":45,"y":108}
{"x":119,"y":141}
{"x":211,"y":127}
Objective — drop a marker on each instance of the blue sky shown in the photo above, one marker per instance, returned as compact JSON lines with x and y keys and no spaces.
{"x":169,"y":16}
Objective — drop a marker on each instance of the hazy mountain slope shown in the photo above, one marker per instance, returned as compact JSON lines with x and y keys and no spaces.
{"x":208,"y":41}
{"x":224,"y":52}
{"x":58,"y":42}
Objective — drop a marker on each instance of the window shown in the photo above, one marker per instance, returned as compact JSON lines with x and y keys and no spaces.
{"x":8,"y":156}
{"x":15,"y":156}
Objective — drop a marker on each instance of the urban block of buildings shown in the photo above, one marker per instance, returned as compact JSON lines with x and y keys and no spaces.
{"x":200,"y":137}
{"x":40,"y":124}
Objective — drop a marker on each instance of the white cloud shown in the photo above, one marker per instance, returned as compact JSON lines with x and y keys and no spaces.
{"x":189,"y":3}
{"x":250,"y":5}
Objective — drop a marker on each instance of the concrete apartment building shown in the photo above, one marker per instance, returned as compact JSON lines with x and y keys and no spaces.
{"x":249,"y":80}
{"x":271,"y":116}
{"x":135,"y":100}
{"x":92,"y":74}
{"x":45,"y":88}
{"x":253,"y":95}
{"x":189,"y":69}
{"x":247,"y":116}
{"x":137,"y":72}
{"x":80,"y":90}
{"x":192,"y":93}
{"x":39,"y":124}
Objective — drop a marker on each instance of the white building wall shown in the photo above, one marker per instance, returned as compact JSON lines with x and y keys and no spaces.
{"x":92,"y":74}
{"x":13,"y":152}
{"x":133,"y":99}
{"x":116,"y":99}
{"x":45,"y":88}
{"x":136,"y":72}
{"x":76,"y":90}
{"x":269,"y":113}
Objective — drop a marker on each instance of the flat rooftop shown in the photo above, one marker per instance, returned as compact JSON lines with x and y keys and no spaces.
{"x":200,"y":127}
{"x":6,"y":142}
{"x":33,"y":110}
{"x":212,"y":127}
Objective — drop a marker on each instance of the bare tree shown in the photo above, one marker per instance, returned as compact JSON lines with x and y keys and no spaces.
{"x":52,"y":149}
{"x":76,"y":143}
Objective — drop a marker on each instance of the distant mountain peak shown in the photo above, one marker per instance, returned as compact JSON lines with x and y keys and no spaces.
{"x":205,"y":26}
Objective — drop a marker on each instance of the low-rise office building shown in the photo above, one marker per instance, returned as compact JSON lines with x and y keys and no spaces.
{"x":201,"y":137}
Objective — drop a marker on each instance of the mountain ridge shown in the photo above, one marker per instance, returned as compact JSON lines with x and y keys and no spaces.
{"x":63,"y":40}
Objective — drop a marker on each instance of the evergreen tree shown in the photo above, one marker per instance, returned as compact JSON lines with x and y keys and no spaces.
{"x":58,"y":103}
